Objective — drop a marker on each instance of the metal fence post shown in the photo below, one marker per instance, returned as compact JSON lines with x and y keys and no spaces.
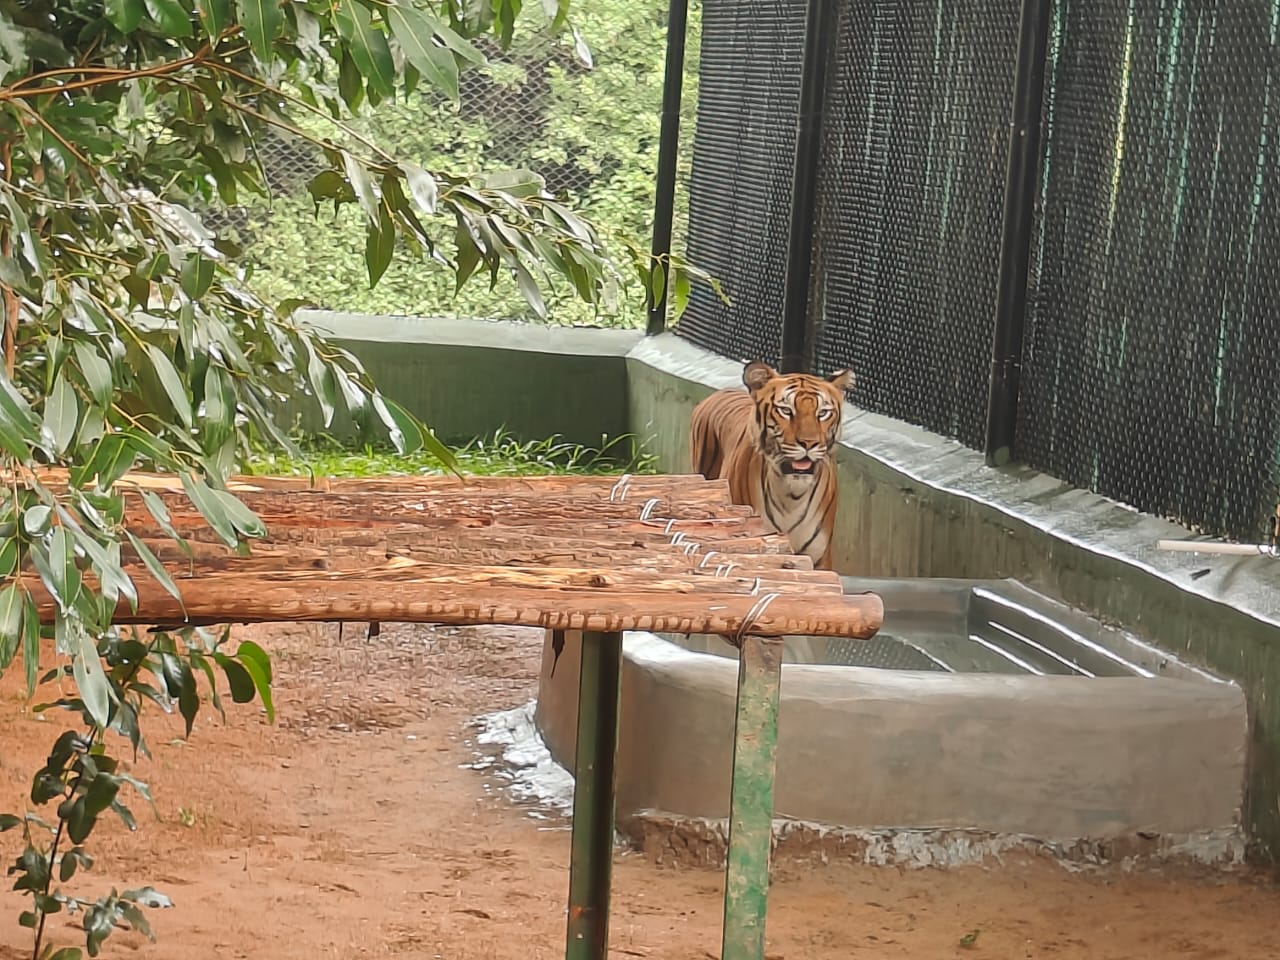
{"x":664,"y":195}
{"x":1021,"y":183}
{"x":798,"y":334}
{"x":591,"y":857}
{"x":755,"y":742}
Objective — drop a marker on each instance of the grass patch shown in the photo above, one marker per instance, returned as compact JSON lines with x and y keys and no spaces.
{"x":494,"y":455}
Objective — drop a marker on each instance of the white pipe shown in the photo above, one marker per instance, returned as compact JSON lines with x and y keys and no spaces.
{"x":1208,"y":546}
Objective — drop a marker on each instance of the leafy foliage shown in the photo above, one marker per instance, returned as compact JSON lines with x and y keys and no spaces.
{"x":132,"y":335}
{"x":585,"y":121}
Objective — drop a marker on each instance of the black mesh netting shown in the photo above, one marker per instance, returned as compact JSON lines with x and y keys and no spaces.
{"x":740,"y":189}
{"x":1150,"y":367}
{"x":912,"y":193}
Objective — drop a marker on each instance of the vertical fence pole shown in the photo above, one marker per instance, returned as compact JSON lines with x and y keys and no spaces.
{"x":591,"y":856}
{"x":664,"y":195}
{"x":755,"y":742}
{"x":1021,"y":184}
{"x":820,"y":25}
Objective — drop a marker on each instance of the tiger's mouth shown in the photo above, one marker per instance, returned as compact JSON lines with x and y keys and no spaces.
{"x":802,"y":467}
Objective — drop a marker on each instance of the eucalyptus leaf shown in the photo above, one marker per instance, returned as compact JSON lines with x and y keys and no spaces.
{"x":261,"y":20}
{"x":61,"y":415}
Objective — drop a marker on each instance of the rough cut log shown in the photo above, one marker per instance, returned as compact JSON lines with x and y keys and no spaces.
{"x":305,"y":508}
{"x":693,"y":486}
{"x":698,"y":531}
{"x":626,"y":486}
{"x":545,"y":578}
{"x":284,"y":597}
{"x":206,"y":557}
{"x":343,"y":556}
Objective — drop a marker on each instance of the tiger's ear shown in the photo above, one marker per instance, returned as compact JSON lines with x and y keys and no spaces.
{"x":757,"y":374}
{"x":842,"y":380}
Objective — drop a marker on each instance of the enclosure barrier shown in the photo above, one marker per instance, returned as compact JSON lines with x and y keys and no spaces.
{"x":1049,"y":229}
{"x":593,"y":554}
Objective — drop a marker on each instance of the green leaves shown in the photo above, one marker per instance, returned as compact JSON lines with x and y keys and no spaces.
{"x":91,"y":679}
{"x":11,"y":606}
{"x":422,"y":187}
{"x":96,"y":372}
{"x":415,"y":31}
{"x":380,"y":245}
{"x":61,"y":415}
{"x":258,"y":665}
{"x":172,"y":383}
{"x":261,"y":20}
{"x":125,"y":15}
{"x":171,"y":17}
{"x":197,"y":276}
{"x":367,"y":45}
{"x":215,"y":15}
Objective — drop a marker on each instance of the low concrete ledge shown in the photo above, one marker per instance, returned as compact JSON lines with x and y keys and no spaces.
{"x":1063,"y":759}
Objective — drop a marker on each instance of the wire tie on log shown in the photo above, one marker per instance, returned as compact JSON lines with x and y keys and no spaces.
{"x":754,"y":614}
{"x":648,"y":508}
{"x":705,"y":557}
{"x":670,"y":523}
{"x":755,"y":587}
{"x":619,"y":491}
{"x":677,"y":538}
{"x":691,"y":548}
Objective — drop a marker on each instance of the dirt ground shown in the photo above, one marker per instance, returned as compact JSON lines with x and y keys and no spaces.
{"x":355,"y":827}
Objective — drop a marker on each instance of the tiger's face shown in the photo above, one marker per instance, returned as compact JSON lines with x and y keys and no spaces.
{"x":797,"y":416}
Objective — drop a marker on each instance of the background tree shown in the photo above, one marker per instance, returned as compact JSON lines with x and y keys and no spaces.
{"x":587,"y":121}
{"x":132,"y":335}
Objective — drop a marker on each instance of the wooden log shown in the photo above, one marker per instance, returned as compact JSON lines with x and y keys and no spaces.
{"x":321,"y":509}
{"x":499,"y":546}
{"x":279,"y":598}
{"x":338,"y":554}
{"x":703,"y":532}
{"x":275,"y":569}
{"x":363,"y":561}
{"x":630,"y":489}
{"x":626,"y":486}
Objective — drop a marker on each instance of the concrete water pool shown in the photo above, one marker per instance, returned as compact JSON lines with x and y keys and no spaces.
{"x":982,"y":707}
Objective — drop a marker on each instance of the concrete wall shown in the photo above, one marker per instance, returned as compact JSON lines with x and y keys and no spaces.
{"x":913,"y":504}
{"x":1062,"y":760}
{"x":469,"y":377}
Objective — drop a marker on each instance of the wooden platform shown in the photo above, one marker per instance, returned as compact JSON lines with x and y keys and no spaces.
{"x":661,"y":553}
{"x":587,"y":556}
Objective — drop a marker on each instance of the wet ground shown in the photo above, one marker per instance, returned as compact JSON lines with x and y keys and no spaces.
{"x":362,"y":825}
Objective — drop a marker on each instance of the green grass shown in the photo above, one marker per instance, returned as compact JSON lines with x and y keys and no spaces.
{"x":496,"y":455}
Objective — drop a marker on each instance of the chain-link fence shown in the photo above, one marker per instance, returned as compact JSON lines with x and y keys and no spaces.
{"x":740,"y":189}
{"x":1148,"y":366}
{"x":590,"y":129}
{"x":911,"y":198}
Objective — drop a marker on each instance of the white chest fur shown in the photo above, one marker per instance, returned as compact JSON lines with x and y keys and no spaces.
{"x":792,"y":506}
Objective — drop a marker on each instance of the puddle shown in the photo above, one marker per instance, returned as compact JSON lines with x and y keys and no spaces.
{"x":510,"y":749}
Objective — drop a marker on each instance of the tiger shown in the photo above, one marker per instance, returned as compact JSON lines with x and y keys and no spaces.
{"x":773,"y":444}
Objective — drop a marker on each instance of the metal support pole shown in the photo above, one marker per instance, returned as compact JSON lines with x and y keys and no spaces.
{"x":664,"y":196}
{"x":591,"y":859}
{"x":1021,"y":184}
{"x":820,"y":25}
{"x":755,"y":742}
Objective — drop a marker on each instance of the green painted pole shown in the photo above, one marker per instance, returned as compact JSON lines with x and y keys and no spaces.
{"x":591,"y":859}
{"x":755,"y":744}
